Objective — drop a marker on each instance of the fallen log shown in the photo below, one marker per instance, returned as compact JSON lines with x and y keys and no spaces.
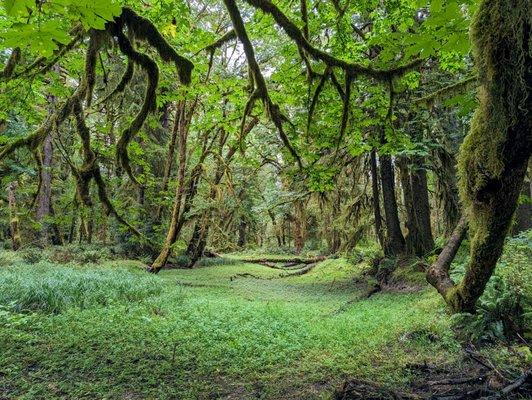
{"x":287,"y":261}
{"x":245,"y":275}
{"x":299,"y":272}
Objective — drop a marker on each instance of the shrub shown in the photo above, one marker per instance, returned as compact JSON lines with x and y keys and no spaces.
{"x":49,"y":288}
{"x":366,"y":253}
{"x":31,"y":255}
{"x":505,"y":309}
{"x":80,"y":254}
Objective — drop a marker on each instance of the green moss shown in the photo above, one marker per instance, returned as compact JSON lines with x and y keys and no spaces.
{"x":499,"y":52}
{"x":494,"y":155}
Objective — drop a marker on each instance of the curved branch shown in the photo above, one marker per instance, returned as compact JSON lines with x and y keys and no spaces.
{"x":272,"y":109}
{"x":143,"y":29}
{"x":447,"y":91}
{"x":438,"y":273}
{"x":298,"y":37}
{"x":149,"y":103}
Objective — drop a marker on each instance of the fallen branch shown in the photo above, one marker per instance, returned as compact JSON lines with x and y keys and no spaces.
{"x":288,"y":261}
{"x":244,"y":275}
{"x":299,"y":272}
{"x":375,"y":289}
{"x":526,"y":378}
{"x":191,"y":284}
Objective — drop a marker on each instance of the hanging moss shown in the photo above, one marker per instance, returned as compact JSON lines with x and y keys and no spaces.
{"x":143,"y":29}
{"x":95,"y":43}
{"x":124,"y":81}
{"x":149,"y":104}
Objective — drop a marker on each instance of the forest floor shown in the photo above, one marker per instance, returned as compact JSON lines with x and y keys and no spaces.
{"x":228,"y":329}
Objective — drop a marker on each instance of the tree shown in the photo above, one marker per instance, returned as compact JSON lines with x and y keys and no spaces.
{"x":494,"y":156}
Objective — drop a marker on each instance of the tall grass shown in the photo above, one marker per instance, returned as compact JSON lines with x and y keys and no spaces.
{"x":49,"y":288}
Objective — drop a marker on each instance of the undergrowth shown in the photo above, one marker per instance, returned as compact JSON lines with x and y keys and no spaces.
{"x":504,"y":312}
{"x":48,"y":288}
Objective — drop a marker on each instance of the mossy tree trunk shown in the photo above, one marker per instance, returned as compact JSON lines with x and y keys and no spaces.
{"x":376,"y":197}
{"x":300,"y":228}
{"x":494,"y":156}
{"x":13,"y":216}
{"x":183,"y":124}
{"x":49,"y":231}
{"x":523,"y":215}
{"x":444,"y":169}
{"x":395,"y":241}
{"x":419,"y":240}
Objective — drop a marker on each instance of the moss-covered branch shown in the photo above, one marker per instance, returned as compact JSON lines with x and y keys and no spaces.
{"x":353,"y":69}
{"x":143,"y":29}
{"x":447,"y":91}
{"x":11,"y":63}
{"x":227,"y":37}
{"x":261,"y":92}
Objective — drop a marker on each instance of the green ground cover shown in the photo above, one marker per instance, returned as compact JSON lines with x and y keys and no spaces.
{"x":112,"y":331}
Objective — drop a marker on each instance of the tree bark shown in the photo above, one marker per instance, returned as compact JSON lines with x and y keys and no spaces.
{"x":242,"y":228}
{"x":419,"y":240}
{"x":299,"y":226}
{"x":13,"y":216}
{"x":379,"y":233}
{"x":446,"y":188}
{"x":395,"y":241}
{"x":523,"y":214}
{"x":420,"y":191}
{"x":49,"y":231}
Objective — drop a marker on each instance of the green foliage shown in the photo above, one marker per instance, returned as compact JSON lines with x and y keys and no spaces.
{"x":505,"y":309}
{"x":365,"y":253}
{"x":44,"y":26}
{"x":52,"y":289}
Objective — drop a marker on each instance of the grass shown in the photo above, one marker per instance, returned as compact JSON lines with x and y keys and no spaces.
{"x":49,"y":288}
{"x":197,"y":334}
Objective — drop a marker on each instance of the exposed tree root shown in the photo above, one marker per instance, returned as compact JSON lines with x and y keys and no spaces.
{"x":366,"y":295}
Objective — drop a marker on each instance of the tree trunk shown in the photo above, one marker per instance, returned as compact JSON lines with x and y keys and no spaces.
{"x":420,"y":192}
{"x":45,"y":193}
{"x":171,"y":236}
{"x":418,"y":239}
{"x":395,"y":242}
{"x":446,"y":188}
{"x":242,"y":228}
{"x":523,"y":214}
{"x":198,"y":241}
{"x":13,"y":216}
{"x":171,"y":148}
{"x":494,"y":156}
{"x":379,"y":233}
{"x":299,"y":226}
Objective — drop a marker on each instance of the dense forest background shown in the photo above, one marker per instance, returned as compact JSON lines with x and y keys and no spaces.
{"x":286,"y":134}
